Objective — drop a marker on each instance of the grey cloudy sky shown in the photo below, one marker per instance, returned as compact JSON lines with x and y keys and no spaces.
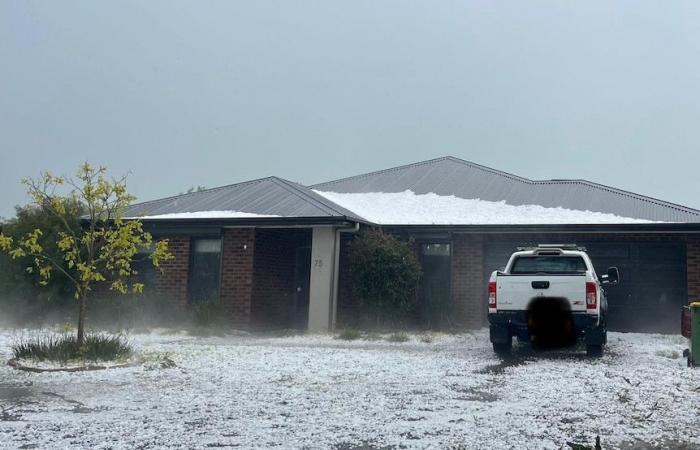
{"x":186,"y":93}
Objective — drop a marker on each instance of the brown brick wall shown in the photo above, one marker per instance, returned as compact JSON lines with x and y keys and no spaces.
{"x":467,"y":282}
{"x":274,"y":292}
{"x":171,"y":281}
{"x":237,"y":258}
{"x":693,"y":257}
{"x":257,"y":283}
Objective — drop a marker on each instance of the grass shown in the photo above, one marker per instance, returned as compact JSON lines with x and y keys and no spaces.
{"x":63,"y":348}
{"x":288,"y":332}
{"x":158,"y":360}
{"x":372,"y":336}
{"x":349,"y":334}
{"x":399,"y":336}
{"x":427,"y":338}
{"x":670,"y":354}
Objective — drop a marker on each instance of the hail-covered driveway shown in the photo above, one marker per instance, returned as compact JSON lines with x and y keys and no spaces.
{"x":320,"y":392}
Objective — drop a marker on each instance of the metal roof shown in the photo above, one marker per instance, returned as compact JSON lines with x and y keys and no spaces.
{"x":453,"y":176}
{"x":266,"y":196}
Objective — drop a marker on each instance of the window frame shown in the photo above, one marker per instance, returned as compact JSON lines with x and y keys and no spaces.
{"x":190,"y":271}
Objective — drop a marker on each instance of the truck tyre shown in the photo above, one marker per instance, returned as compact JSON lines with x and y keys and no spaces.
{"x":504,"y":348}
{"x":594,"y":350}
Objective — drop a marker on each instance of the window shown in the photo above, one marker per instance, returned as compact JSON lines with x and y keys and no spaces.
{"x":146,"y":270}
{"x":434,"y":293}
{"x":548,"y":264}
{"x":205,"y":270}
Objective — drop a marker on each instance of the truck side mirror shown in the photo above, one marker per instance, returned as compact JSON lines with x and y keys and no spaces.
{"x":612,"y":277}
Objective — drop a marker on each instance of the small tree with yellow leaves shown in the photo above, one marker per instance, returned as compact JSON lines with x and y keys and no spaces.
{"x":102,"y":251}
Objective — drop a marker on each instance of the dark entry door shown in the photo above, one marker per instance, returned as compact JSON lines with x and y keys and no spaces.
{"x":302,"y":279}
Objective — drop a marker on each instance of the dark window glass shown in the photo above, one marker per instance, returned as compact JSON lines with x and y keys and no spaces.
{"x":146,"y":271}
{"x":434,"y":293}
{"x":205,"y":270}
{"x":548,"y":264}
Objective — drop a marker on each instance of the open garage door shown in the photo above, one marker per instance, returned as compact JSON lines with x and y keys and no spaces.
{"x":654,"y":280}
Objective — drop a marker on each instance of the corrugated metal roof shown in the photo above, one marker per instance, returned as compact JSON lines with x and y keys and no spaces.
{"x":454,"y":176}
{"x":268,"y":196}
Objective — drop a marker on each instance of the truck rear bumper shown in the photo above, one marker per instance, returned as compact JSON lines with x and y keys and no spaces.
{"x":506,"y":324}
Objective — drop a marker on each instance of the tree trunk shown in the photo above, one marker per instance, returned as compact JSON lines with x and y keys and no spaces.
{"x":81,"y":317}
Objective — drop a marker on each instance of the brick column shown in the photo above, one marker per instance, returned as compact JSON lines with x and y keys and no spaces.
{"x":693,"y":258}
{"x":171,"y":281}
{"x":467,"y":283}
{"x":237,"y":258}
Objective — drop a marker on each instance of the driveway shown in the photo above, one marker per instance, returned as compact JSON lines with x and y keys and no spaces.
{"x":320,"y":392}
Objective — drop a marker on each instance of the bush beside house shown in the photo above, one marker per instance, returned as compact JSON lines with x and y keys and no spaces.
{"x":385,"y":273}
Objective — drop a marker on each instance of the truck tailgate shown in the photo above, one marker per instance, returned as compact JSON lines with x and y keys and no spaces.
{"x":514,"y":292}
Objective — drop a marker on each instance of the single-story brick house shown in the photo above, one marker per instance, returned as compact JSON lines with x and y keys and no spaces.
{"x":274,"y":252}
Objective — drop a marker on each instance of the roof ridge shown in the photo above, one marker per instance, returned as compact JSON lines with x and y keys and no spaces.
{"x":429,"y":161}
{"x":488,"y":169}
{"x":624,"y":192}
{"x":186,"y":194}
{"x":291,"y":186}
{"x":501,"y":173}
{"x":377,"y":172}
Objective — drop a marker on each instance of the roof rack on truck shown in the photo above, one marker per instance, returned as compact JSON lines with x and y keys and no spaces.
{"x":554,"y":247}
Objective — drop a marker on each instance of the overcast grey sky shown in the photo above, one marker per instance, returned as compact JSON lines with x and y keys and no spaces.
{"x":215,"y":92}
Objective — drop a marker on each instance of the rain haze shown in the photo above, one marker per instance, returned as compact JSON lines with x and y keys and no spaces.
{"x":183,"y":94}
{"x":435,"y":305}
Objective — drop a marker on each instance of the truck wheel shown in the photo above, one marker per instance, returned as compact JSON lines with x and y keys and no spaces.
{"x":595,"y":351}
{"x":503,"y":348}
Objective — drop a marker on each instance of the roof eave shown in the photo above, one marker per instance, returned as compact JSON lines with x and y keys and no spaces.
{"x":153,"y":224}
{"x":649,"y":228}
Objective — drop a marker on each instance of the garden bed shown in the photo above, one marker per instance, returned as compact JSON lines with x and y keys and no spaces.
{"x":29,"y":365}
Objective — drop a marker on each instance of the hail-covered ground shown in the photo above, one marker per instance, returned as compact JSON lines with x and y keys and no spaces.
{"x":321,"y":392}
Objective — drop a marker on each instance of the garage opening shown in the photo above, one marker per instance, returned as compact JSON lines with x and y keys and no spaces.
{"x":653,"y":286}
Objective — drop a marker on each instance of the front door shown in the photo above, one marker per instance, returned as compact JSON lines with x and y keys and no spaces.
{"x":302,"y":276}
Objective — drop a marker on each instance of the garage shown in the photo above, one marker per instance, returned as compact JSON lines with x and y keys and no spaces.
{"x":654,"y":278}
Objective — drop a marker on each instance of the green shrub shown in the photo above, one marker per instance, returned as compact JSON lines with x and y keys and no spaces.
{"x":349,"y":334}
{"x":63,"y":348}
{"x":385,"y":273}
{"x":372,"y":336}
{"x":398,"y":337}
{"x":288,"y":332}
{"x":209,"y":314}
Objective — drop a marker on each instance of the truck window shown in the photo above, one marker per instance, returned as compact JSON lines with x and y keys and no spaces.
{"x":548,"y":264}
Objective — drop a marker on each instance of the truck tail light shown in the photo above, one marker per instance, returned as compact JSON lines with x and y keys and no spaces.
{"x":492,"y":294}
{"x":591,"y":295}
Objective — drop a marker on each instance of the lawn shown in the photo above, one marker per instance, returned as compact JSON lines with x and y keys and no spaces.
{"x":321,"y":392}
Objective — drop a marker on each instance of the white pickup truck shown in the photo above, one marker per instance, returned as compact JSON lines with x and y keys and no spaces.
{"x":551,"y":296}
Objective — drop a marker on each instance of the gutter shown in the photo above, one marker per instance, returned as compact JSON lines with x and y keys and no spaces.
{"x":646,"y":228}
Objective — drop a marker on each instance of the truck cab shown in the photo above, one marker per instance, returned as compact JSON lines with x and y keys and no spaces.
{"x":551,"y":296}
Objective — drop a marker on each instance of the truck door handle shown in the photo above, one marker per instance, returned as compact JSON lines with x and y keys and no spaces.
{"x":540,"y":285}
